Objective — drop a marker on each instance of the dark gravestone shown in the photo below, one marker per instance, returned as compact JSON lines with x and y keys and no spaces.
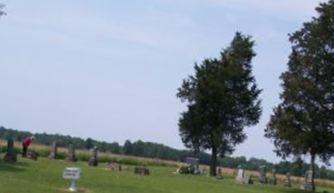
{"x":93,"y":159}
{"x":10,"y":155}
{"x":263,"y":175}
{"x":273,"y":179}
{"x":71,"y":153}
{"x":287,"y":181}
{"x":219,"y":173}
{"x":53,"y":152}
{"x":142,"y":170}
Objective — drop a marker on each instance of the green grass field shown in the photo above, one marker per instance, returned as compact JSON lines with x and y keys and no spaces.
{"x":45,"y":176}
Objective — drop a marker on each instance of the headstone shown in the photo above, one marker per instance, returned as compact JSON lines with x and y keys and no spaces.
{"x":242,"y":177}
{"x":10,"y":155}
{"x":263,"y":175}
{"x":71,"y":153}
{"x":142,"y":170}
{"x":93,"y":159}
{"x":193,"y":164}
{"x":72,"y":174}
{"x":273,"y":179}
{"x":114,"y":167}
{"x":219,"y":173}
{"x":32,"y":155}
{"x":307,"y":185}
{"x":53,"y":152}
{"x":287,"y":181}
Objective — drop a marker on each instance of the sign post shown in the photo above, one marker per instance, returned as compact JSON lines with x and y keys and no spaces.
{"x":72,"y":174}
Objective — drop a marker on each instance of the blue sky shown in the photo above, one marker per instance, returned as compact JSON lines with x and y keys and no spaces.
{"x":110,"y":69}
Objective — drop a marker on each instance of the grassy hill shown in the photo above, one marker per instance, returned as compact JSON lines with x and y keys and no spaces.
{"x":46,"y":176}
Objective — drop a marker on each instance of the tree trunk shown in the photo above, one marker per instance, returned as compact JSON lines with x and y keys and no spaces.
{"x":213,"y":164}
{"x":313,"y":170}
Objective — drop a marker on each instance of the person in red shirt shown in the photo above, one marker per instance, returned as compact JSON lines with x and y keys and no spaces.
{"x":25,"y":144}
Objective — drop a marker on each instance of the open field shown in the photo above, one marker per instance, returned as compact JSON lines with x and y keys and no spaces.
{"x":45,"y":176}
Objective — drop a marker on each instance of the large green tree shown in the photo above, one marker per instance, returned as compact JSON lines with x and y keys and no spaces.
{"x":222,"y":99}
{"x":303,"y":123}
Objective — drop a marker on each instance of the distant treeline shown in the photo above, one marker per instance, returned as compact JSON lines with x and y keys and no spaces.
{"x":155,"y":150}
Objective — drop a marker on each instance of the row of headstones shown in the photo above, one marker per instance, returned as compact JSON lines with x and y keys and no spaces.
{"x":93,"y":161}
{"x":11,"y":156}
{"x":247,"y":179}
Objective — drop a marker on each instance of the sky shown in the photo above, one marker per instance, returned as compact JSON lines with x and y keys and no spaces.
{"x":110,"y":69}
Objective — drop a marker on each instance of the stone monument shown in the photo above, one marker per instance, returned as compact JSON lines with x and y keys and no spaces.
{"x":10,"y":155}
{"x":33,"y":155}
{"x":242,"y":177}
{"x":71,"y":153}
{"x":263,"y":174}
{"x":273,"y":179}
{"x":142,"y":170}
{"x":307,"y":185}
{"x":193,"y":164}
{"x":220,"y":173}
{"x":113,"y":166}
{"x":93,"y":159}
{"x":53,"y":152}
{"x":287,"y":181}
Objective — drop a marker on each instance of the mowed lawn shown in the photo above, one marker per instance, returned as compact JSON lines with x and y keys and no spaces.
{"x":45,"y":176}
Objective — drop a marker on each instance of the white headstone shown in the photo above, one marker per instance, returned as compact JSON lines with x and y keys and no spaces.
{"x":72,"y":174}
{"x":240,"y":175}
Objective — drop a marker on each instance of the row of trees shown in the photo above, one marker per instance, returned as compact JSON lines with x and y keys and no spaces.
{"x":155,"y":150}
{"x":222,"y":97}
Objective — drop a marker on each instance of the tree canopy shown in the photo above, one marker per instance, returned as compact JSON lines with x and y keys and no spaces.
{"x":303,"y":123}
{"x":222,"y":99}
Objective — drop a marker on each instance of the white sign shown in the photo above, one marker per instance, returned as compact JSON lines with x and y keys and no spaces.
{"x":72,"y":173}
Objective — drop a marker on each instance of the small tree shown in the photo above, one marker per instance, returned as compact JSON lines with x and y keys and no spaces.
{"x":304,"y":121}
{"x":222,"y":99}
{"x":2,"y":6}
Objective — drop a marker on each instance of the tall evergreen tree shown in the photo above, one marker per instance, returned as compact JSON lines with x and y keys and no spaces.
{"x":222,"y":99}
{"x":304,"y":121}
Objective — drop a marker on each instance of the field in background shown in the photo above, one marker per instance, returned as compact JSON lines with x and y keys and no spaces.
{"x":83,"y":155}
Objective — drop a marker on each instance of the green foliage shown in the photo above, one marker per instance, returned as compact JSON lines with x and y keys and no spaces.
{"x":222,"y":99}
{"x":303,"y":122}
{"x":1,"y":10}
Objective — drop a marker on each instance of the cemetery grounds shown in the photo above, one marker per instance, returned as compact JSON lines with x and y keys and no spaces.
{"x":45,"y":176}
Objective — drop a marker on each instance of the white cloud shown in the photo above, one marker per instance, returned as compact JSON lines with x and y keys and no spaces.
{"x":281,"y":7}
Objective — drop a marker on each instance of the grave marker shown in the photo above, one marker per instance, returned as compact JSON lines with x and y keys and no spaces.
{"x":240,"y":175}
{"x":273,"y":179}
{"x":71,"y":153}
{"x":193,"y":164}
{"x":307,"y":185}
{"x":287,"y":181}
{"x":93,"y":159}
{"x":263,"y":174}
{"x":53,"y":152}
{"x":10,"y":155}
